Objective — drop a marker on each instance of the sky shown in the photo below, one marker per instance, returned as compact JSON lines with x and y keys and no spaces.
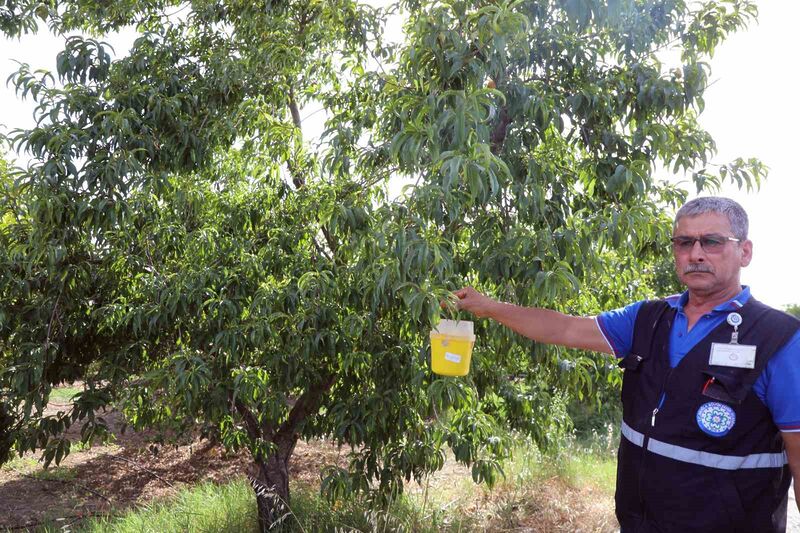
{"x":750,"y":112}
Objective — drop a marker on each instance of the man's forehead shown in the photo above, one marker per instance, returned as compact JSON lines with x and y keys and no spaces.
{"x":703,"y":224}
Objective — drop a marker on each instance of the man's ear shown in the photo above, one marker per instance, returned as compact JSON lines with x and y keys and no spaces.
{"x":747,"y":252}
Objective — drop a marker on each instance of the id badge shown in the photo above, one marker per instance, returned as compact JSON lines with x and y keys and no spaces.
{"x":734,"y":355}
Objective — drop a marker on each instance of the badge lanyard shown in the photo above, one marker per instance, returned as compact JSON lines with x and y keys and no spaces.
{"x":735,"y":320}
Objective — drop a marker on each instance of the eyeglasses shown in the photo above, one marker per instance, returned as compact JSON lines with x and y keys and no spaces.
{"x":709,"y":243}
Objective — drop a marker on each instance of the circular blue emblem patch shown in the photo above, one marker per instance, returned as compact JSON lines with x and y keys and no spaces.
{"x":716,"y":419}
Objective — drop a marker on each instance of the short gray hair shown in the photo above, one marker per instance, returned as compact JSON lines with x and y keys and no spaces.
{"x":717,"y":204}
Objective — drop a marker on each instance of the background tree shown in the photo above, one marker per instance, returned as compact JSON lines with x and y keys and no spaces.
{"x":178,"y":245}
{"x":793,"y":309}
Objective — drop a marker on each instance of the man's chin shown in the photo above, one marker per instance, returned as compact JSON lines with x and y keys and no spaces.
{"x":694,"y":281}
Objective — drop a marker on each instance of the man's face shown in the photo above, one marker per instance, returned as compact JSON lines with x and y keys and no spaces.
{"x":710,"y":271}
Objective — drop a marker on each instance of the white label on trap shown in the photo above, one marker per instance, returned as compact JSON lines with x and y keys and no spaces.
{"x":452,"y":357}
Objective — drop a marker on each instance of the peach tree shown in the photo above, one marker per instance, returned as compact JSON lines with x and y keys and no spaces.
{"x":183,"y":245}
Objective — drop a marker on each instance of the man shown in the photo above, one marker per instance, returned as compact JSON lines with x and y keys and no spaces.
{"x":711,"y":388}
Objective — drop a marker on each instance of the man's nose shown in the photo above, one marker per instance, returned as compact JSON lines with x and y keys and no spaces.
{"x":697,"y":254}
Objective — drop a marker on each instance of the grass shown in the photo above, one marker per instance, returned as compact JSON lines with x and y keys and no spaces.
{"x":597,"y":471}
{"x":204,"y":507}
{"x":592,"y":460}
{"x":310,"y":513}
{"x":78,"y":446}
{"x":30,"y":466}
{"x":448,"y":502}
{"x":231,"y":508}
{"x":21,"y":464}
{"x":64,"y":394}
{"x":56,"y":473}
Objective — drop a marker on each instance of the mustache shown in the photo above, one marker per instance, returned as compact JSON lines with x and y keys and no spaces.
{"x":697,"y":267}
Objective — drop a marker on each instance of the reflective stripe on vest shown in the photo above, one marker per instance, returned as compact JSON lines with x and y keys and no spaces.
{"x":711,"y":460}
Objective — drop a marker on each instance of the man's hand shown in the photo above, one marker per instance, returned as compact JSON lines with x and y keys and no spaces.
{"x":476,"y":303}
{"x":541,"y":325}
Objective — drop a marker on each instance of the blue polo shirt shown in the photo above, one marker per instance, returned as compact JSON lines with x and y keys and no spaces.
{"x":778,"y":386}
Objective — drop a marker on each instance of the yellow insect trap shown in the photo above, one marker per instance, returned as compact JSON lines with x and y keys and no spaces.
{"x":451,"y":347}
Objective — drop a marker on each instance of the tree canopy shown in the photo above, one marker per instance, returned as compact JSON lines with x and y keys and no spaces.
{"x":183,"y":247}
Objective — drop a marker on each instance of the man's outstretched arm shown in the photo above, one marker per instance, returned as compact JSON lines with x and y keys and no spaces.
{"x":791,"y":440}
{"x":541,"y":325}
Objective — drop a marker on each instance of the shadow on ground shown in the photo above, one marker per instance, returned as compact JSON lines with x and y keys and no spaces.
{"x":116,"y":477}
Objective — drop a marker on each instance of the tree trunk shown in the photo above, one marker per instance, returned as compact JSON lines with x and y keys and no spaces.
{"x":271,"y":479}
{"x":271,"y":485}
{"x":6,"y":433}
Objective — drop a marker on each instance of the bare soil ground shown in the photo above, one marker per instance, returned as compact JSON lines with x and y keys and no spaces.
{"x":128,"y":471}
{"x":132,"y":470}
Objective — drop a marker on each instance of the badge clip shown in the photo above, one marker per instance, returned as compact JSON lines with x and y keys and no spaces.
{"x":735,"y":320}
{"x":733,"y":354}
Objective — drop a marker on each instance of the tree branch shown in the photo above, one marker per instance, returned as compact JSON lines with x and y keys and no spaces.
{"x":499,"y":133}
{"x":306,"y":404}
{"x":250,"y":421}
{"x":52,"y":319}
{"x":293,"y":109}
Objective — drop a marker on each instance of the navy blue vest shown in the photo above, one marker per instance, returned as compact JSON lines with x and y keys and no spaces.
{"x":678,"y":469}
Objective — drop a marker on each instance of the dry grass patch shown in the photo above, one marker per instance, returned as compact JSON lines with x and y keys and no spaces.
{"x":553,"y":506}
{"x":573,"y":494}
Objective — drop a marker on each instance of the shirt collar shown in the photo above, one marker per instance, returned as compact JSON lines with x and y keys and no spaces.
{"x":677,"y":301}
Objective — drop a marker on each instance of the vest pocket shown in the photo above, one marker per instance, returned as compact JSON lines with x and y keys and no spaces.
{"x":632,"y":375}
{"x":631,"y":362}
{"x":724,"y":386}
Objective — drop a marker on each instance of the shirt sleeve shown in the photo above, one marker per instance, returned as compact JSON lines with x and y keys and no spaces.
{"x":617,"y":327}
{"x":779,"y":384}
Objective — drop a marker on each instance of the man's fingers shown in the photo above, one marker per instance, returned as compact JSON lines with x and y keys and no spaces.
{"x":461,"y":293}
{"x":449,"y":301}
